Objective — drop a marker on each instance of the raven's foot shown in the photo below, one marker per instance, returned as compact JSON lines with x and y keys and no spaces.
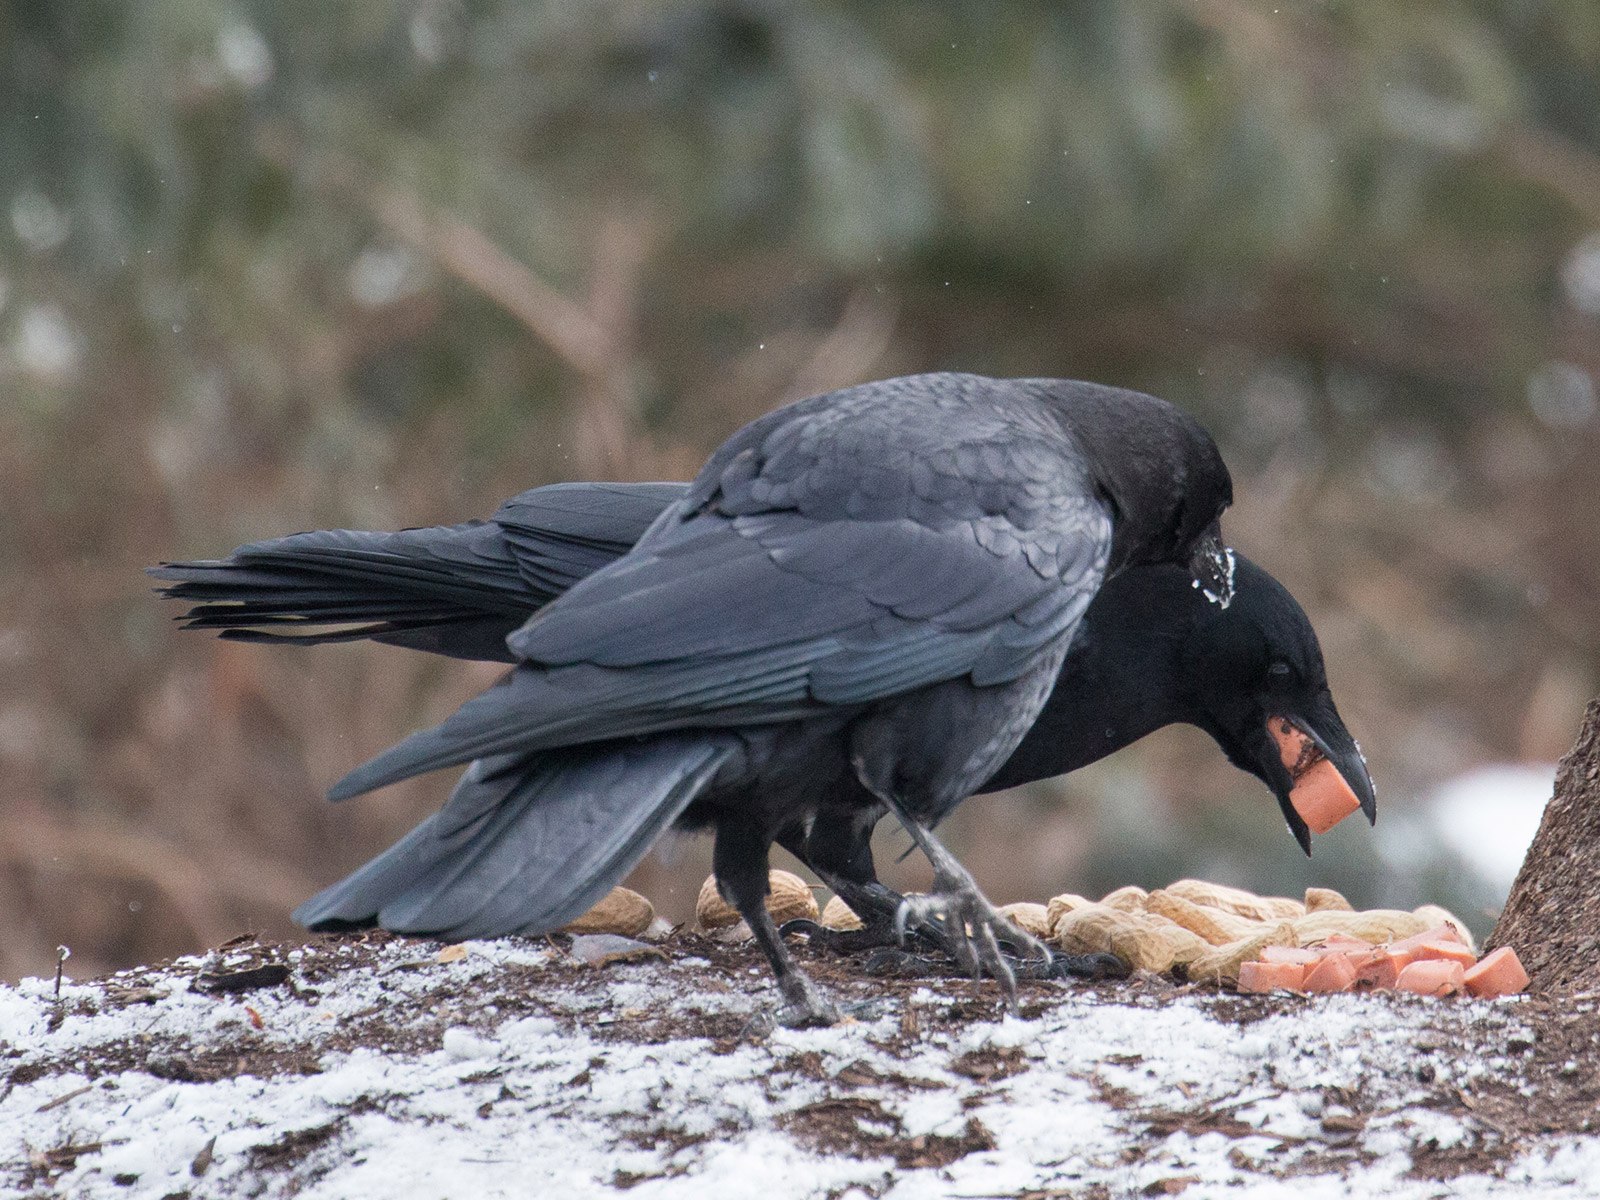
{"x":960,"y":917}
{"x":907,"y":964}
{"x":805,"y":1005}
{"x":893,"y":935}
{"x":970,"y":929}
{"x":893,"y":962}
{"x":840,"y":941}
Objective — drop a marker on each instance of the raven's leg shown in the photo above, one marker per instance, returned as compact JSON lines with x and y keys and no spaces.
{"x":841,"y":855}
{"x":973,"y":925}
{"x":839,"y":849}
{"x":739,"y":860}
{"x":840,"y":852}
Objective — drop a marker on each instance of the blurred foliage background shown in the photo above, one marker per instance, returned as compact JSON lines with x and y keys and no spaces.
{"x":268,"y":267}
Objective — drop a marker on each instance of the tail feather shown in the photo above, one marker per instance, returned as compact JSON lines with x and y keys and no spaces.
{"x":454,"y":590}
{"x":525,"y":845}
{"x":457,"y":590}
{"x":565,"y":531}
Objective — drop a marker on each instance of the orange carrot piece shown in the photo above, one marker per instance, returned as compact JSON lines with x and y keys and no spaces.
{"x":1333,"y":973}
{"x":1320,"y":794}
{"x":1323,"y":798}
{"x":1499,"y":974}
{"x":1431,"y":977}
{"x":1439,"y":933}
{"x":1375,"y":969}
{"x":1409,"y":950}
{"x":1343,"y":943}
{"x":1448,"y":951}
{"x":1264,"y":976}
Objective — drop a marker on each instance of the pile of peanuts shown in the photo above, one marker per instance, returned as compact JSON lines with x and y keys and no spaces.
{"x":1204,"y":932}
{"x":1213,"y":933}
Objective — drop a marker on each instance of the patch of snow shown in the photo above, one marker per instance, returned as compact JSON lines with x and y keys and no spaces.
{"x":464,"y":1045}
{"x":596,"y":1094}
{"x":1574,"y":1164}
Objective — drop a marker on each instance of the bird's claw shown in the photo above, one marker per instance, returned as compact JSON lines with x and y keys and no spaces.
{"x":968,"y":928}
{"x":958,"y":916}
{"x":813,"y":930}
{"x":906,"y":964}
{"x":893,"y":962}
{"x":805,"y":1005}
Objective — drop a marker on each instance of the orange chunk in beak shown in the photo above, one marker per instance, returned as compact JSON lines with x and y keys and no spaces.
{"x":1320,"y":795}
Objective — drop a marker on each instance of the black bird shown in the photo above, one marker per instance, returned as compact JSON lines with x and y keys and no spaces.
{"x":863,"y":600}
{"x":1151,"y":650}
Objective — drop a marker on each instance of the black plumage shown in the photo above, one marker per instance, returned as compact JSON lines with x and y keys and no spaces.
{"x":1151,"y":650}
{"x":862,"y":602}
{"x":458,"y":590}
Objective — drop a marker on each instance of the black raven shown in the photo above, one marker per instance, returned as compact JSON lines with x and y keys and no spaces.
{"x":1151,"y":650}
{"x":868,"y":594}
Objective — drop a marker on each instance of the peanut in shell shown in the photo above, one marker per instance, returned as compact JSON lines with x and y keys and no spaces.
{"x":1145,"y":942}
{"x":1126,"y":899}
{"x":1374,"y":925}
{"x":621,"y":911}
{"x":1236,"y":900}
{"x":1221,"y":963}
{"x":1326,"y":900}
{"x":838,"y":915}
{"x":1217,"y":926}
{"x":1029,"y":917}
{"x":1060,"y":906}
{"x":789,"y":897}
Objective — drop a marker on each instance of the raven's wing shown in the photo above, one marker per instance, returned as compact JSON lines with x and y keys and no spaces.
{"x":524,"y":845}
{"x":832,"y":559}
{"x":454,"y":589}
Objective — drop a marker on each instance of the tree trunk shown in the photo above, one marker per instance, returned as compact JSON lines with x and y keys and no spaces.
{"x":1552,"y":917}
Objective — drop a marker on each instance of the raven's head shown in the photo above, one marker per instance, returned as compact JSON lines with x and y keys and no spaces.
{"x":1257,"y":679}
{"x":1161,"y":475}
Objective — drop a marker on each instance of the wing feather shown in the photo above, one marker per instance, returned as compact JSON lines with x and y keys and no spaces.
{"x":773,"y":591}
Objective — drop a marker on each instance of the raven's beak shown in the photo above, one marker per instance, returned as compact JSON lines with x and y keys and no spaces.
{"x":1212,"y":565}
{"x":1327,"y":772}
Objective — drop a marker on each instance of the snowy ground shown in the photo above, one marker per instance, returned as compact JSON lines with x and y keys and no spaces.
{"x":367,"y":1067}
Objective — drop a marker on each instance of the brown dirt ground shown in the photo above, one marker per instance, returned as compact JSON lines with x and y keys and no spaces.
{"x":1554,"y":1088}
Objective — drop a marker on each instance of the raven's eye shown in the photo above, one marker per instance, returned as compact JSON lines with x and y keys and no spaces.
{"x":1279,"y":670}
